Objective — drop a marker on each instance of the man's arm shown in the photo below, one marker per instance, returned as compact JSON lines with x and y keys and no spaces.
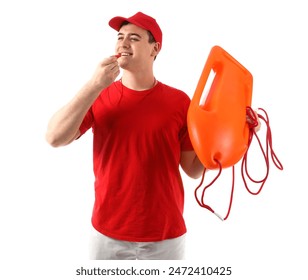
{"x":64,"y":125}
{"x":191,"y":164}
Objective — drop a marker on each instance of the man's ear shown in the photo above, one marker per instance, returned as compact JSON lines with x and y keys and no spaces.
{"x":156,"y":49}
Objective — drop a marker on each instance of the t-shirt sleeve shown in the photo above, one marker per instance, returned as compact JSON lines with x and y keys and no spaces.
{"x":86,"y":123}
{"x":186,"y":144}
{"x":185,"y":140}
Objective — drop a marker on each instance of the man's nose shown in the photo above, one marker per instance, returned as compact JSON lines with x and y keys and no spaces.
{"x":125,"y":43}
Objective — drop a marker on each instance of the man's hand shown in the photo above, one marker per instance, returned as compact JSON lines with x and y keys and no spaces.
{"x":253,"y":119}
{"x":105,"y":73}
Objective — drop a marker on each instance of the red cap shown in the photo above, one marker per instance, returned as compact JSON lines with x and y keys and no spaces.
{"x":142,"y":20}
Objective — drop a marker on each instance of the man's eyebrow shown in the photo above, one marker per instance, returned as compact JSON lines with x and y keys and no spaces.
{"x":130,"y":34}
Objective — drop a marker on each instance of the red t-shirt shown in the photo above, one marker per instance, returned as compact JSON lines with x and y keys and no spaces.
{"x":138,"y":139}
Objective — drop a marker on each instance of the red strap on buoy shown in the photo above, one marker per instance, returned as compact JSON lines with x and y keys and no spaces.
{"x":268,"y":149}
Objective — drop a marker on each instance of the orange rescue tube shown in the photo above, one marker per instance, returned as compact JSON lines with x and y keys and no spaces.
{"x":217,"y":125}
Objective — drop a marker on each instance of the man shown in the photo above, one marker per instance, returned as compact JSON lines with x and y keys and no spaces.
{"x":140,"y":139}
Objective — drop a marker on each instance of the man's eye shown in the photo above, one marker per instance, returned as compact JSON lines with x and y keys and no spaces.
{"x":134,"y":39}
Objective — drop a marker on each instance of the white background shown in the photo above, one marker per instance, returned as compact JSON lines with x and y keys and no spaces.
{"x":48,"y":51}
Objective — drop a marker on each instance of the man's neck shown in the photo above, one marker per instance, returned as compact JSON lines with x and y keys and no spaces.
{"x":138,"y":81}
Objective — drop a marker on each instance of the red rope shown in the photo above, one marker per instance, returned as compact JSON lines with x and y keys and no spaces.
{"x":202,"y":203}
{"x":252,"y":120}
{"x":269,"y":148}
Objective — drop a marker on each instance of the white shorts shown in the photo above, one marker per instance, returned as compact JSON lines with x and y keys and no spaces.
{"x":105,"y":248}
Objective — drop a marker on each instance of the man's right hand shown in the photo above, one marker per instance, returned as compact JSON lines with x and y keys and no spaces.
{"x":105,"y":73}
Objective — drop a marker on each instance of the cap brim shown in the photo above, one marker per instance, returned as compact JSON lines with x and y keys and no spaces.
{"x":116,"y":22}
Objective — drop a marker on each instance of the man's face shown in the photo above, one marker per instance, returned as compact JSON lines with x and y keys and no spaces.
{"x":134,"y":47}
